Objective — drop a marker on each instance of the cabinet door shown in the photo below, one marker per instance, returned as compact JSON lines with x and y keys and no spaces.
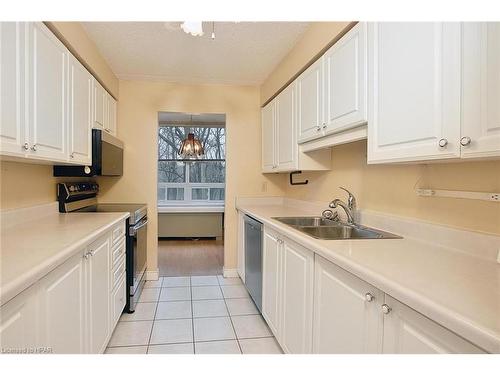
{"x":481,"y":89}
{"x":297,"y":299}
{"x":80,"y":113}
{"x":98,"y":274}
{"x":111,"y":115}
{"x":48,"y":89}
{"x":310,"y":102}
{"x":18,"y":323}
{"x":12,"y":101}
{"x":268,"y":137}
{"x":408,"y":332}
{"x":286,"y":140}
{"x":99,"y":106}
{"x":63,"y":306}
{"x":414,"y":91}
{"x":345,"y":81}
{"x":271,"y":275}
{"x":344,"y":320}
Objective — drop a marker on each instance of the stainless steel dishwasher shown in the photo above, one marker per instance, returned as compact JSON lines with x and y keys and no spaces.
{"x":253,"y":259}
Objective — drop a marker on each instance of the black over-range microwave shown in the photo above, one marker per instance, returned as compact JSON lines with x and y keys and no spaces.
{"x":107,"y":158}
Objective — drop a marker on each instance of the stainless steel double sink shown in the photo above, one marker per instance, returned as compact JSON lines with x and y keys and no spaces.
{"x":326,"y":229}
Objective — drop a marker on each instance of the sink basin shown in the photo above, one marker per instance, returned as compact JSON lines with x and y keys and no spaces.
{"x":326,"y":229}
{"x":311,"y":221}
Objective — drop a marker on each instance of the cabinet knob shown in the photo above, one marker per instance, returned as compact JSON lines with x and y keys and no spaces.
{"x":443,"y":142}
{"x":318,"y":128}
{"x":72,"y":155}
{"x":33,"y":148}
{"x":26,"y":146}
{"x":86,"y":256}
{"x":386,"y":309}
{"x":369,"y":297}
{"x":324,"y":125}
{"x":465,"y":141}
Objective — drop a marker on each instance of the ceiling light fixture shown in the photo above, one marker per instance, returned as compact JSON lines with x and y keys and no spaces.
{"x":192,"y":27}
{"x":191,"y":148}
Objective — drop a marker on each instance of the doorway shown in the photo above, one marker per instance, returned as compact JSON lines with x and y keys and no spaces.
{"x":191,"y":194}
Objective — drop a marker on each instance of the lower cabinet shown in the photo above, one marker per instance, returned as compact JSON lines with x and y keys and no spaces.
{"x":73,"y":309}
{"x":287,"y":295}
{"x":407,"y":332}
{"x":314,"y":306}
{"x":347,"y":316}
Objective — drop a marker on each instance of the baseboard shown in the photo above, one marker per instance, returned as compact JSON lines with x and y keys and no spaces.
{"x":152,"y":275}
{"x":230,"y":272}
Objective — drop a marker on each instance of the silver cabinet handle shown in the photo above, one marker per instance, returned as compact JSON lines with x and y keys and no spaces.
{"x":86,"y":256}
{"x":465,"y":141}
{"x":369,"y":297}
{"x":33,"y":148}
{"x":324,"y":125}
{"x":26,"y":146}
{"x":72,"y":155}
{"x":318,"y":128}
{"x":386,"y":309}
{"x":443,"y":142}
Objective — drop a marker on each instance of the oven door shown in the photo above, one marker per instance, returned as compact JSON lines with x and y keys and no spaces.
{"x":138,"y":235}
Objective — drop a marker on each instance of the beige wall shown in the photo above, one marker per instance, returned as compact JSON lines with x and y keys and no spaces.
{"x":391,"y":188}
{"x":76,"y":39}
{"x":317,"y":36}
{"x":140,"y":103}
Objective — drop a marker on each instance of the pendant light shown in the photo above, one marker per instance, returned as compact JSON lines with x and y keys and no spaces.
{"x":191,"y":148}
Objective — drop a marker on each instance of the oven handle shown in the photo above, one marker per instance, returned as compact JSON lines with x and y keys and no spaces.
{"x":138,"y":226}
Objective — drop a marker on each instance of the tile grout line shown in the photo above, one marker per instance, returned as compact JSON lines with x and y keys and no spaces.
{"x":154,"y":319}
{"x":230,"y":319}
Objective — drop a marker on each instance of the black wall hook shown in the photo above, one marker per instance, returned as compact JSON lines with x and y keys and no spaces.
{"x":297,"y":183}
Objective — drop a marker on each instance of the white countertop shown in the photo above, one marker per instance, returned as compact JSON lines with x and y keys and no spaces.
{"x":453,"y":288}
{"x":30,"y":249}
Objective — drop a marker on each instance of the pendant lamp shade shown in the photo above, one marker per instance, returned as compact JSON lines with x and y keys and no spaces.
{"x":191,"y":148}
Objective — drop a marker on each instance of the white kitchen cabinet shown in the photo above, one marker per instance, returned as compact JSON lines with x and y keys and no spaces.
{"x":297,"y":298}
{"x":347,"y":316}
{"x":408,"y":332}
{"x":12,"y":100}
{"x":286,"y":140}
{"x":80,"y":113}
{"x":111,"y":128}
{"x":63,"y":306}
{"x":271,"y":281}
{"x":268,"y":137}
{"x":414,"y":80}
{"x":99,"y":293}
{"x":480,"y":132}
{"x":310,"y":102}
{"x":18,"y":323}
{"x":344,"y":75}
{"x":48,"y":85}
{"x":100,"y":106}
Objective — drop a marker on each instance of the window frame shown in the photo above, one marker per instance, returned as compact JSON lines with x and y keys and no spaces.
{"x":189,"y":186}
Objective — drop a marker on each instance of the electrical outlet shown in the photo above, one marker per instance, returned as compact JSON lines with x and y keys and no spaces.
{"x":264,"y":187}
{"x":498,"y":256}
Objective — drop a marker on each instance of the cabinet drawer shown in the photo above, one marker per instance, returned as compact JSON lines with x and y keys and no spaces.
{"x":118,"y":251}
{"x":118,"y":232}
{"x":118,"y":301}
{"x":118,"y":271}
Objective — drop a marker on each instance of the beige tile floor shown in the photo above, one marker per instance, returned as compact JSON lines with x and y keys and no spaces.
{"x":193,"y":315}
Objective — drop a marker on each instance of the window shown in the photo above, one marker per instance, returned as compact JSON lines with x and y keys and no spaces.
{"x":191,"y":182}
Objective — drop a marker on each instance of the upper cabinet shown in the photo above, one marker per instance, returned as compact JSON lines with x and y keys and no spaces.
{"x":344,"y":80}
{"x":280,"y":151}
{"x":414,"y":91}
{"x":12,"y":90}
{"x":480,"y":133}
{"x":310,"y":102}
{"x":47,"y":98}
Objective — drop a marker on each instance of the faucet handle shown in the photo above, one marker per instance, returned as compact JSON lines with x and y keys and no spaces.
{"x":351,"y":201}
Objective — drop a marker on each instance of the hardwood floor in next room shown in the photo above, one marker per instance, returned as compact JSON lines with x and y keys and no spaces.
{"x":189,"y":257}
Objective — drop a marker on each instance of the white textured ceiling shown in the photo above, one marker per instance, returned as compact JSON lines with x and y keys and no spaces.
{"x":242,"y":53}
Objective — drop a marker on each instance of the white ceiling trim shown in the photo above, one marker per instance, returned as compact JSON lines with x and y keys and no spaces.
{"x":187,"y":80}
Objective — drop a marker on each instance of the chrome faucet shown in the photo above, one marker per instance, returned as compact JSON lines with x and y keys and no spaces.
{"x":348,"y":208}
